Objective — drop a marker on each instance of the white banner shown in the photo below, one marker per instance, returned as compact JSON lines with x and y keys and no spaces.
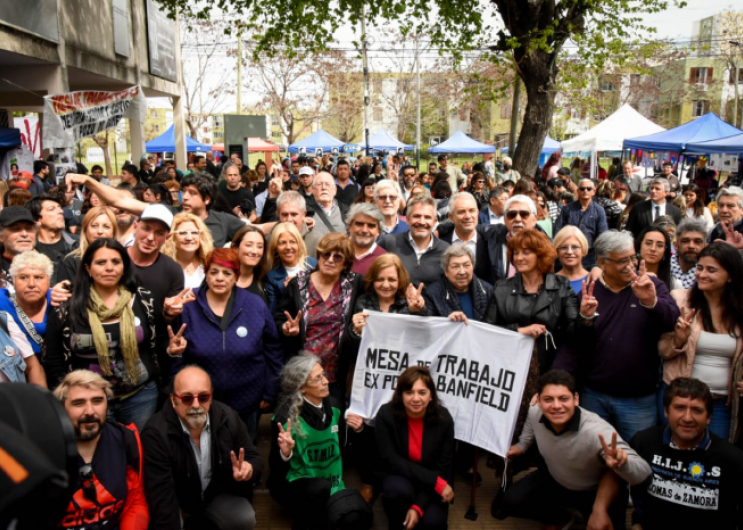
{"x":479,"y":371}
{"x":70,"y":117}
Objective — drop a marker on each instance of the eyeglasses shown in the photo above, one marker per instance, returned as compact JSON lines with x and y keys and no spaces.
{"x":408,"y":174}
{"x":385,"y":198}
{"x":203,"y":398}
{"x":624,"y":261}
{"x":188,"y":233}
{"x":319,"y":379}
{"x":572,"y":248}
{"x":512,"y":214}
{"x":585,"y":189}
{"x":324,"y":185}
{"x":333,"y":256}
{"x":86,"y":476}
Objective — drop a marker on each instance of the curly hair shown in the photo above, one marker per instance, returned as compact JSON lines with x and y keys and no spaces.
{"x":538,"y":243}
{"x":294,"y":377}
{"x":206,"y":243}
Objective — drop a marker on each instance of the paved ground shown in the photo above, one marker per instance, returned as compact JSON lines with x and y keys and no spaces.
{"x":270,"y":516}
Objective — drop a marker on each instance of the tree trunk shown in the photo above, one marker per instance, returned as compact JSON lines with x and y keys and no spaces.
{"x":538,"y":72}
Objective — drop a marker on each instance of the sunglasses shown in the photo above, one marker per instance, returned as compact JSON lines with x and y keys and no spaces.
{"x":585,"y":189}
{"x":391,"y":198}
{"x":333,"y":257}
{"x":203,"y":398}
{"x":512,"y":214}
{"x":86,"y":476}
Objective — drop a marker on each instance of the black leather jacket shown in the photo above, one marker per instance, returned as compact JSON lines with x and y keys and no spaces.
{"x":556,"y":307}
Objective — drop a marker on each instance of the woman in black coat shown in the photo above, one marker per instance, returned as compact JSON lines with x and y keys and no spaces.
{"x":535,"y":302}
{"x":415,"y":436}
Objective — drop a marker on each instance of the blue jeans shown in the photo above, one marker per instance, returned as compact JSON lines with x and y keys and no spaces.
{"x":721,"y":414}
{"x":136,"y":409}
{"x":628,"y":415}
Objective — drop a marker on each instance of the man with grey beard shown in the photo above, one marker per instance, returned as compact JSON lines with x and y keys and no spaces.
{"x":200,"y":464}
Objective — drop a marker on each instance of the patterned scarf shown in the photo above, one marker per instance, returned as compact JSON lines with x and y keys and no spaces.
{"x":97,"y":313}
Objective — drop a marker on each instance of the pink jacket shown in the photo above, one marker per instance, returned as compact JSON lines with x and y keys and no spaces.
{"x":680,"y":362}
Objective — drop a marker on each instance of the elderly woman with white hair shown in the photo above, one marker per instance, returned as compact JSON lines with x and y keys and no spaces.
{"x":28,"y":306}
{"x":306,"y":441}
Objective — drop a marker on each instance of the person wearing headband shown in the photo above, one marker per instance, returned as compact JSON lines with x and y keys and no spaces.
{"x":230,"y":333}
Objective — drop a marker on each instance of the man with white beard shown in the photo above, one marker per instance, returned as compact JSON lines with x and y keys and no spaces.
{"x":200,"y":464}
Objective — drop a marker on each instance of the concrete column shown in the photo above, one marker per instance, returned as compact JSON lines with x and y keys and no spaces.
{"x":179,"y":122}
{"x":136,"y":135}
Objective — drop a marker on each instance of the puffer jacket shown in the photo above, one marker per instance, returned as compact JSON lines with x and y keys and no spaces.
{"x":244,"y":357}
{"x":556,"y":307}
{"x":612,"y":210}
{"x":442,"y":299}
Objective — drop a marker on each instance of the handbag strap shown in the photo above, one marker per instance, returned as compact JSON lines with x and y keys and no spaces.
{"x":27,"y":324}
{"x":324,"y":218}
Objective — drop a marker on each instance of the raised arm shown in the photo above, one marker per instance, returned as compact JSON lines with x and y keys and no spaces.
{"x":111,"y":196}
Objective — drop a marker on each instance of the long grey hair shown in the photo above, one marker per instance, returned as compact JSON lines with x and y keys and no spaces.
{"x":294,"y":378}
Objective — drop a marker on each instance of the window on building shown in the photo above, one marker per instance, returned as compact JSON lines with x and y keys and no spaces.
{"x":218,"y":135}
{"x":731,"y":78}
{"x":634,"y":79}
{"x":218,"y":121}
{"x":154,"y":113}
{"x":606,"y":85}
{"x":377,"y":84}
{"x":377,"y":114}
{"x":156,"y":128}
{"x":700,"y":75}
{"x":505,"y":111}
{"x":275,"y":120}
{"x":699,"y":107}
{"x":206,"y":130}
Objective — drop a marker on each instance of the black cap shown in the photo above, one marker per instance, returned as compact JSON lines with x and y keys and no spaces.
{"x":563,"y":171}
{"x":15,"y":214}
{"x":556,"y":183}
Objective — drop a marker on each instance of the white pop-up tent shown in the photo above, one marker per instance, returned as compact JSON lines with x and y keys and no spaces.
{"x":609,"y":135}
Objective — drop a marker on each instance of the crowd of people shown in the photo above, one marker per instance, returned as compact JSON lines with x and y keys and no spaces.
{"x":170,"y":312}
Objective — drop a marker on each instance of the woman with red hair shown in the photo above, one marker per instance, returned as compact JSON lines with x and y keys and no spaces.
{"x":231,"y":334}
{"x":535,"y":302}
{"x":549,"y":171}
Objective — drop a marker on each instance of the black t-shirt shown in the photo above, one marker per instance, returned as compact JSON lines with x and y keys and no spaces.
{"x":163,"y":279}
{"x":223,"y":227}
{"x":55,"y":251}
{"x":236,"y":197}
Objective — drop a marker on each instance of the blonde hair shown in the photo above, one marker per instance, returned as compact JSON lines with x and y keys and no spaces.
{"x":93,"y":213}
{"x":566,"y":233}
{"x":206,"y":243}
{"x":85,"y":379}
{"x":272,"y":258}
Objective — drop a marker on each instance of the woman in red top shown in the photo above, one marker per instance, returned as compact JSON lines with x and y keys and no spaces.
{"x":415,"y":436}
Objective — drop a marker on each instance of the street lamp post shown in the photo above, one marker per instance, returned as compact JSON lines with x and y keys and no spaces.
{"x":736,"y":79}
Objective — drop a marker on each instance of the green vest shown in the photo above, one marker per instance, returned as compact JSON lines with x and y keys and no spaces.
{"x":318,"y":454}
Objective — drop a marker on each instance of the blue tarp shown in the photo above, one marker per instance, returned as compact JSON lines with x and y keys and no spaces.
{"x":384,"y":141}
{"x":318,"y":140}
{"x":704,"y":128}
{"x":165,"y":143}
{"x":461,"y":143}
{"x":732,"y":145}
{"x":9,"y":138}
{"x":549,"y":147}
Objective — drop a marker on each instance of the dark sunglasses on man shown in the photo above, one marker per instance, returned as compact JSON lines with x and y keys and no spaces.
{"x":202,"y":398}
{"x":512,"y":214}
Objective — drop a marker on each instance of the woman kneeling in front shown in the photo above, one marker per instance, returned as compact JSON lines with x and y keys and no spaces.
{"x":415,"y":436}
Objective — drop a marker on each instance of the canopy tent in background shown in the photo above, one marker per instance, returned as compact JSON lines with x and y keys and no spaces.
{"x":732,"y":145}
{"x":318,"y":140}
{"x":9,"y":138}
{"x":461,"y":143}
{"x":702,"y":129}
{"x":550,"y":146}
{"x":165,"y":143}
{"x":384,"y":141}
{"x":610,"y":134}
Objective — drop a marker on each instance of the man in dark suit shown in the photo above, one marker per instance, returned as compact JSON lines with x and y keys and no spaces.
{"x":643,"y":214}
{"x":493,"y":214}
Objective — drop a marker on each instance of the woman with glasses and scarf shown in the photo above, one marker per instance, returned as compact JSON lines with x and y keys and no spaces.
{"x":315,"y":310}
{"x":230,"y":333}
{"x":108,"y":327}
{"x":307,"y":417}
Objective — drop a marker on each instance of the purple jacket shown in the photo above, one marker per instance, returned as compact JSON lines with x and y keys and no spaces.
{"x":244,"y":359}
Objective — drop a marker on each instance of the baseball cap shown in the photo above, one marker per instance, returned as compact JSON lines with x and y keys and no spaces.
{"x":15,"y":214}
{"x":556,"y":183}
{"x":306,"y":171}
{"x":157,"y":212}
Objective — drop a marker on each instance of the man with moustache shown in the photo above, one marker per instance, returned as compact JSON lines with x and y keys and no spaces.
{"x":17,"y":234}
{"x":419,"y":249}
{"x":200,"y":465}
{"x":729,"y":211}
{"x":108,"y":489}
{"x":364,"y":223}
{"x":690,"y":241}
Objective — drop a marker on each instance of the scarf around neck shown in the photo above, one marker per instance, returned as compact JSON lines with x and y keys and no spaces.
{"x":98,"y":313}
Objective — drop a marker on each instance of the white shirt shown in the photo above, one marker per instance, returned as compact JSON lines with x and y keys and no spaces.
{"x":494,"y":219}
{"x":193,"y":281}
{"x":471,"y":243}
{"x":388,"y":229}
{"x":291,"y":272}
{"x":419,"y":252}
{"x":660,"y":212}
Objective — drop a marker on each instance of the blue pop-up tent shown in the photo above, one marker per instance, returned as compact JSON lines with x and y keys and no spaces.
{"x":461,"y":143}
{"x":549,"y":147}
{"x":732,"y":145}
{"x":384,"y":141}
{"x":705,"y":128}
{"x":165,"y":143}
{"x":318,"y":140}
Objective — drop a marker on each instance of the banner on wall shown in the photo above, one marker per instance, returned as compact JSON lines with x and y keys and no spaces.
{"x":479,"y":371}
{"x":76,"y":115}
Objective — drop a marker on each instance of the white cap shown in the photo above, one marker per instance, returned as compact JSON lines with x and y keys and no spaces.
{"x":306,"y":171}
{"x":157,"y":212}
